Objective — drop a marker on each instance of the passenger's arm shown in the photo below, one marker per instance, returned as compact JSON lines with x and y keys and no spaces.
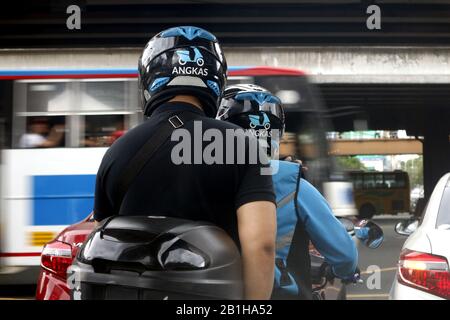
{"x":326,"y":232}
{"x":54,"y":138}
{"x":257,"y":226}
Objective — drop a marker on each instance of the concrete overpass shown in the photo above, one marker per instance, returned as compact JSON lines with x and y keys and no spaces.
{"x":268,"y":23}
{"x":375,"y":147}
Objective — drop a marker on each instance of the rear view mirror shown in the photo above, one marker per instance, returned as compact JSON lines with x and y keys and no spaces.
{"x":406,"y":227}
{"x":369,"y":233}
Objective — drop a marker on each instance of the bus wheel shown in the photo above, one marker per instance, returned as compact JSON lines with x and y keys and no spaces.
{"x":367,"y":211}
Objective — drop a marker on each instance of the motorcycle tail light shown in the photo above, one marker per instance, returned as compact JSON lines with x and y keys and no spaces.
{"x":56,"y":258}
{"x":426,"y":272}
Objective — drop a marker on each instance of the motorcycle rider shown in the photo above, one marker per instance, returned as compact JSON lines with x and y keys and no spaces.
{"x":303,"y":214}
{"x":182,"y":74}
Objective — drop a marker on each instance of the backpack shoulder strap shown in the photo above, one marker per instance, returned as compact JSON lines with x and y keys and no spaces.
{"x":148,"y":150}
{"x":299,"y":261}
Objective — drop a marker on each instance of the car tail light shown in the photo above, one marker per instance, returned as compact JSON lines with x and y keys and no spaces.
{"x":426,"y":272}
{"x":57,"y":257}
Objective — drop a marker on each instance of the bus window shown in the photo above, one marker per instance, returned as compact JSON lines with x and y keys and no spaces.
{"x":103,"y":96}
{"x":43,"y":132}
{"x":94,"y":111}
{"x":401,"y":180}
{"x":39,"y":119}
{"x":379,"y":181}
{"x":389,"y":180}
{"x":110,"y":107}
{"x":395,"y":180}
{"x":102,"y":130}
{"x":369,"y":181}
{"x":43,"y":97}
{"x":357,"y":181}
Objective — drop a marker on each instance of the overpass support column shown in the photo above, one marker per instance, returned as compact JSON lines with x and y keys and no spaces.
{"x":436,"y":151}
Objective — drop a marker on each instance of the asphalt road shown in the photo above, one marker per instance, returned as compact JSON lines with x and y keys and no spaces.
{"x":384,"y":258}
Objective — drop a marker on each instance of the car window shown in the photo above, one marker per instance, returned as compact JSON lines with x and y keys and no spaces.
{"x":444,"y":209}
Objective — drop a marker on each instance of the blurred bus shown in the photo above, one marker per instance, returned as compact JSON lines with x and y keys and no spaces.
{"x":59,"y":123}
{"x":381,"y":192}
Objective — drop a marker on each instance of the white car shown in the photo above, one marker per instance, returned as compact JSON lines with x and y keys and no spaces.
{"x":423,"y":268}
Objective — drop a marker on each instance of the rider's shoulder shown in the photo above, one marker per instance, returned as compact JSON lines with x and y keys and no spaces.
{"x":219,"y":124}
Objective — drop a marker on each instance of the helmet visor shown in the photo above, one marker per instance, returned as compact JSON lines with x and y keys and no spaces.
{"x":232,"y":107}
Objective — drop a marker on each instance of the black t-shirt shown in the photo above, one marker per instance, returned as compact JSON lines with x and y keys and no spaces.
{"x":207,"y":192}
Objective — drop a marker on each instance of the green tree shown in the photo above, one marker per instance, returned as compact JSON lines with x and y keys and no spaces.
{"x":350,"y":163}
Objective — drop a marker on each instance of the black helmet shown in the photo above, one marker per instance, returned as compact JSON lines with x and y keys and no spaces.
{"x":250,"y":106}
{"x":255,"y":109}
{"x":182,"y":60}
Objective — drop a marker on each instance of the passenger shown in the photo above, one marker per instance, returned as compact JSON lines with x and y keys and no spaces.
{"x":37,"y":131}
{"x":116,"y":134}
{"x":103,"y":133}
{"x":56,"y":136}
{"x":182,"y":73}
{"x":303,"y":214}
{"x":40,"y":136}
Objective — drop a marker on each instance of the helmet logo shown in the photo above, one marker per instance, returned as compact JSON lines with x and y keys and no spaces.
{"x":184,"y":56}
{"x":255,"y":121}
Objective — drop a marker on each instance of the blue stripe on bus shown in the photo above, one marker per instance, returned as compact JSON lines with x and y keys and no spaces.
{"x":239,"y":68}
{"x":83,"y":71}
{"x":62,"y":199}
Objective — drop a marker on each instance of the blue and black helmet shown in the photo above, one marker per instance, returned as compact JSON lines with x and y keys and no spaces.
{"x":251,"y":107}
{"x":182,"y":60}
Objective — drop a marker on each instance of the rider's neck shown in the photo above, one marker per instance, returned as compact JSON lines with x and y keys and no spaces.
{"x":187,"y":99}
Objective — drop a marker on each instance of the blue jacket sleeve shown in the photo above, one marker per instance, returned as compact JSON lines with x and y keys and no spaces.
{"x":326,"y":232}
